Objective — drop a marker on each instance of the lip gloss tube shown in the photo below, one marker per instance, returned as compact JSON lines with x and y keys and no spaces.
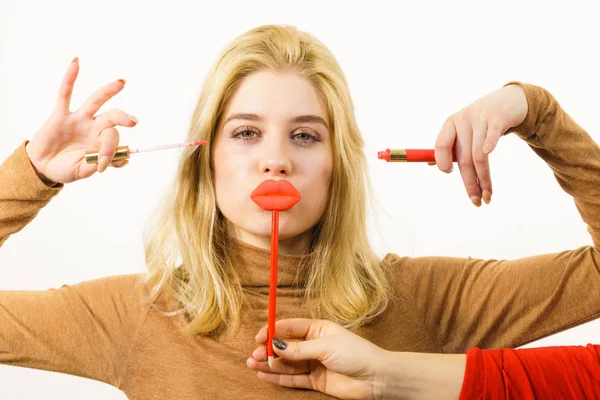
{"x":409,"y":155}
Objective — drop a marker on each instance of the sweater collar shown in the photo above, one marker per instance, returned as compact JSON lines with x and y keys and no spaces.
{"x":252,"y":265}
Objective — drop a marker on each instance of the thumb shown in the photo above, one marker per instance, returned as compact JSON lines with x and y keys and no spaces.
{"x":302,"y":350}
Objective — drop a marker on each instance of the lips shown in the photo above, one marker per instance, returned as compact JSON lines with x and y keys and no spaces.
{"x":275,"y":195}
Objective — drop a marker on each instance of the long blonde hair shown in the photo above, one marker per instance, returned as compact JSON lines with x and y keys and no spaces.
{"x":186,"y":248}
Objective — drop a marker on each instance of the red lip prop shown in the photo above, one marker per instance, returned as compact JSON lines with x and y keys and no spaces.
{"x":274,"y":196}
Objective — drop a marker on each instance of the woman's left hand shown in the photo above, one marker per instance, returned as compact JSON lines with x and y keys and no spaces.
{"x":321,"y":355}
{"x":473,"y":132}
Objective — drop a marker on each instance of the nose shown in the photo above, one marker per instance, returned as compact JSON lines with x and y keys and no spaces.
{"x":275,"y":161}
{"x":275,"y":166}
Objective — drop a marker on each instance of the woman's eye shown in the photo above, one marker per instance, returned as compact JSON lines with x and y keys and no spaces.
{"x":305,"y":137}
{"x":246,"y":134}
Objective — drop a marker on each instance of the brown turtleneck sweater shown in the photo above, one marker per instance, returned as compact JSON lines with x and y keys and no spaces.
{"x":99,"y":329}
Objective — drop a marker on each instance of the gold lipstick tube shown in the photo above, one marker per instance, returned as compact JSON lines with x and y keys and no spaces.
{"x":122,"y":153}
{"x":398,"y":155}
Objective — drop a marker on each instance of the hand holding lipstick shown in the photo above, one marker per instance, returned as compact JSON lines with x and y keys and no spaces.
{"x":57,"y":150}
{"x":474,"y":132}
{"x":468,"y":137}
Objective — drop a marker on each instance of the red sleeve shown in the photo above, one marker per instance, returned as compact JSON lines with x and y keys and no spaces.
{"x":567,"y":372}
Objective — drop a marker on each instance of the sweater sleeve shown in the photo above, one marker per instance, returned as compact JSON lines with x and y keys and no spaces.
{"x":22,"y":193}
{"x":569,"y":372}
{"x":88,"y":329}
{"x":466,"y":302}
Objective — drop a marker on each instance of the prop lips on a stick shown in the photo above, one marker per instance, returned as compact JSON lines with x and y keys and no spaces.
{"x":274,"y":196}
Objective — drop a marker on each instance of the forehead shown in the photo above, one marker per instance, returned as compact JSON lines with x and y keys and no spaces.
{"x":276,"y":94}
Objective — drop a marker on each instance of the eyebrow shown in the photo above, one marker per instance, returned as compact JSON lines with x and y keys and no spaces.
{"x":256,"y":117}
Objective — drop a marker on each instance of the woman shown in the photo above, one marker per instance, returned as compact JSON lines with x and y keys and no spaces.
{"x":276,"y":106}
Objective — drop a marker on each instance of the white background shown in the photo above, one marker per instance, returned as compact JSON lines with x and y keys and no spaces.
{"x":409,"y":65}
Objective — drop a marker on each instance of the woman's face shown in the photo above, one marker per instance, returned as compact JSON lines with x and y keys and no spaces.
{"x":274,"y":127}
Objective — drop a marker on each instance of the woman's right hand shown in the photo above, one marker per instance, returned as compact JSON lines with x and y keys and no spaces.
{"x":57,"y":151}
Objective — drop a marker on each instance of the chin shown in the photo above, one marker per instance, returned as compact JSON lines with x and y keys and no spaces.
{"x":260,"y":225}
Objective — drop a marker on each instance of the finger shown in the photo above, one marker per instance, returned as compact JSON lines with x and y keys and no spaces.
{"x":63,"y":102}
{"x":296,"y":328}
{"x":280,"y":366}
{"x":494,"y":132}
{"x":465,"y":161}
{"x":109,"y":141}
{"x":119,"y":163}
{"x":101,"y":96}
{"x":260,"y":353}
{"x":303,"y":350}
{"x":481,"y":161}
{"x":301,"y":381}
{"x":86,"y":170}
{"x":444,"y":146}
{"x":341,"y":386}
{"x":113,"y":118}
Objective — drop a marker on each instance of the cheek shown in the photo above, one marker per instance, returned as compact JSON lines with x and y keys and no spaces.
{"x":225,"y":178}
{"x":232,"y":174}
{"x":320,"y":177}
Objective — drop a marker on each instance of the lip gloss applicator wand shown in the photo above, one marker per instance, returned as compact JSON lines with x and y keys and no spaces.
{"x":123,"y":152}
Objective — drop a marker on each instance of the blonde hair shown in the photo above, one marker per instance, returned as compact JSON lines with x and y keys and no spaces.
{"x":186,"y":249}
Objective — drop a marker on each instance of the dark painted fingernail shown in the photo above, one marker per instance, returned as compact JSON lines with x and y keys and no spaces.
{"x":280,"y":344}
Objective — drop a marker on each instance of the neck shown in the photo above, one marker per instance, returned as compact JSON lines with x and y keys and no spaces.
{"x":296,"y":245}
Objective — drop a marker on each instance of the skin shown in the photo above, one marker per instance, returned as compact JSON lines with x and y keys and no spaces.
{"x":57,"y":150}
{"x":274,"y":147}
{"x":474,"y":131}
{"x":248,"y":151}
{"x":321,"y":355}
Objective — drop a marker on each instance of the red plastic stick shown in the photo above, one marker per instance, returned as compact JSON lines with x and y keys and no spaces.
{"x":274,"y":196}
{"x":273,"y":283}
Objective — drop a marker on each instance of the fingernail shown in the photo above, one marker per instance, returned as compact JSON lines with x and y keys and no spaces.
{"x":487,"y":196}
{"x":76,"y":59}
{"x":103,"y":163}
{"x":248,"y":361}
{"x":134,"y":119}
{"x":122,"y":80}
{"x":487,"y":148}
{"x":280,"y":344}
{"x":476,"y":200}
{"x":451,"y":169}
{"x":119,"y":164}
